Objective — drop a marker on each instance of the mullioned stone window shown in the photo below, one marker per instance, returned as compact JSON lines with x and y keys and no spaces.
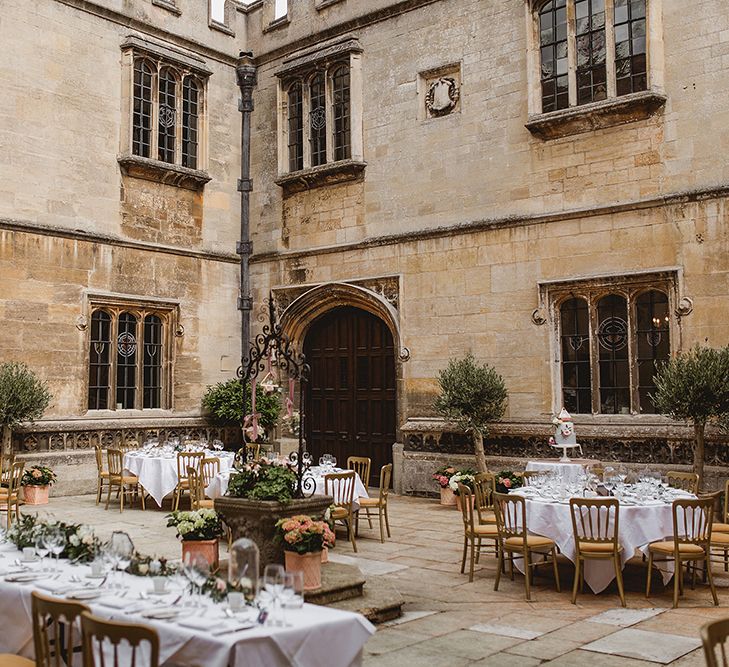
{"x":164,"y":139}
{"x":320,"y":117}
{"x":593,"y":52}
{"x":129,"y":359}
{"x":610,"y":335}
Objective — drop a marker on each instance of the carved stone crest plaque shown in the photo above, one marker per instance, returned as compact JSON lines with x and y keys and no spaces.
{"x":442,"y":96}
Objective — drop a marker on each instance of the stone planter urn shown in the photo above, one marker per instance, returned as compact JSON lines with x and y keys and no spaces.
{"x":36,"y":495}
{"x":447,"y":497}
{"x":309,"y":564}
{"x":256,"y":520}
{"x":205,"y":549}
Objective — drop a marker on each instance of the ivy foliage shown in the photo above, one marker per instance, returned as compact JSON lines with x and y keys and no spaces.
{"x":224,"y":402}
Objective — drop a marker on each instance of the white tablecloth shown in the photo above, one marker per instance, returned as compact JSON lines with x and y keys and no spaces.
{"x":158,"y":474}
{"x":639,"y":525}
{"x":317,"y":635}
{"x":566,"y":471}
{"x":219,"y":485}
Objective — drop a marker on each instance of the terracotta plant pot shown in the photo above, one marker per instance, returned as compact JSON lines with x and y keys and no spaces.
{"x":447,"y":497}
{"x":309,"y":564}
{"x":325,"y":555}
{"x":36,"y":495}
{"x":458,"y":502}
{"x":205,"y":549}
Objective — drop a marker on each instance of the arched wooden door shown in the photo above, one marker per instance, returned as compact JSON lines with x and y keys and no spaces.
{"x":350,"y":403}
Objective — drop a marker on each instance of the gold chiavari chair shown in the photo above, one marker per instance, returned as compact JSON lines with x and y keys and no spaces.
{"x":101,"y":474}
{"x":527,"y":476}
{"x":379,"y":503}
{"x":340,"y":486}
{"x":126,"y":484}
{"x":713,"y":637}
{"x":9,"y":497}
{"x":690,"y":544}
{"x":6,"y":464}
{"x":595,"y":529}
{"x":515,"y":542}
{"x":98,"y":633}
{"x":210,"y":467}
{"x":185,"y":460}
{"x":722,"y":526}
{"x":56,"y":630}
{"x":484,"y":487}
{"x":688,"y":481}
{"x":361,"y":465}
{"x":474,"y":533}
{"x":197,"y":491}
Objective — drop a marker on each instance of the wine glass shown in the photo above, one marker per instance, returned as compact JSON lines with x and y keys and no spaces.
{"x":273,"y":583}
{"x":120,"y":550}
{"x":293,"y":591}
{"x":55,"y":541}
{"x":41,"y":549}
{"x":197,"y":570}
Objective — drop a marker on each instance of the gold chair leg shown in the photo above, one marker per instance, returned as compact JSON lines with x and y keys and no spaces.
{"x":619,"y":579}
{"x":556,"y":570}
{"x":387,"y":522}
{"x":680,"y":580}
{"x":98,"y":490}
{"x":499,"y":568}
{"x":710,"y":577}
{"x":511,"y":565}
{"x":350,"y":529}
{"x":369,"y":518}
{"x":465,"y":553}
{"x":176,"y":500}
{"x":676,"y":582}
{"x":527,"y":571}
{"x":382,"y":527}
{"x":473,"y":558}
{"x":108,"y":496}
{"x":648,"y":578}
{"x":478,"y":553}
{"x":141,"y":493}
{"x":121,"y":497}
{"x":576,"y":582}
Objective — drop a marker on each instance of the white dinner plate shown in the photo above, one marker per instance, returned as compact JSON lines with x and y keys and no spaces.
{"x":24,"y":577}
{"x":83,"y":594}
{"x":162,"y":614}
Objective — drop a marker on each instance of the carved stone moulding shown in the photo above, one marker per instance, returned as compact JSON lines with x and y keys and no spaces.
{"x":163,"y":172}
{"x":595,"y":116}
{"x":326,"y":174}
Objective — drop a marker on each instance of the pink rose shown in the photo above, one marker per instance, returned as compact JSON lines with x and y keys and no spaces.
{"x":221,"y":585}
{"x":507,"y":483}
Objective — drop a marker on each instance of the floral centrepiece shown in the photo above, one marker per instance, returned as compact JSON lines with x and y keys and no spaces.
{"x":201,"y":524}
{"x":303,"y":534}
{"x":507,"y":480}
{"x":467,"y":477}
{"x":81,"y":545}
{"x":38,"y":476}
{"x":443,"y":475}
{"x":263,"y":480}
{"x":150,"y":566}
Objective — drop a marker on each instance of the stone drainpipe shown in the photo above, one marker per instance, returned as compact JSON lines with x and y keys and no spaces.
{"x":246,"y":76}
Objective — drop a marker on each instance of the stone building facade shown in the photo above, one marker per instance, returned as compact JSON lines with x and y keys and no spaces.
{"x":120,"y":137}
{"x":539,"y":183}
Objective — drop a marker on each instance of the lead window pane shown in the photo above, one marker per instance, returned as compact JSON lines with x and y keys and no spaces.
{"x":295,"y":127}
{"x":575,"y":344}
{"x":152,"y":372}
{"x":190,"y":120}
{"x":653,"y":344}
{"x":99,"y":360}
{"x":612,"y":340}
{"x":126,"y":361}
{"x":142,"y":109}
{"x":317,"y":120}
{"x":167,"y":116}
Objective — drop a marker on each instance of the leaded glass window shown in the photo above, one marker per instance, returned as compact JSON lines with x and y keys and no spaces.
{"x":341,"y":113}
{"x":578,"y":63}
{"x":142,"y":116}
{"x":653,"y":344}
{"x":152,"y":372}
{"x":612,"y":338}
{"x":126,"y":361}
{"x":296,"y":127}
{"x":167,"y":115}
{"x":317,"y":120}
{"x":553,"y":44}
{"x":630,"y":46}
{"x":575,"y":336}
{"x":99,"y":360}
{"x":190,"y":121}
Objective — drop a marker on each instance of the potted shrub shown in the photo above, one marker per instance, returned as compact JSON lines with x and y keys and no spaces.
{"x":472,"y":396}
{"x":303,"y":539}
{"x":36,"y":482}
{"x":693,"y":387}
{"x":443,"y":477}
{"x":23,"y":398}
{"x":199,"y":531}
{"x":467,"y":478}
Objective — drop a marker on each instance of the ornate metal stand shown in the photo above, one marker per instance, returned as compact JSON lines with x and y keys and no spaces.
{"x":273,"y":341}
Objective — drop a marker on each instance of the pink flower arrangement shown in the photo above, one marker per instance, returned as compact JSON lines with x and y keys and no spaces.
{"x":304,"y":534}
{"x":443,"y":475}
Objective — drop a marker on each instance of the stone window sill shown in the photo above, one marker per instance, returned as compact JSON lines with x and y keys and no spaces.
{"x":595,"y":116}
{"x":277,"y":23}
{"x":163,"y":172}
{"x":221,"y":27}
{"x":325,"y":174}
{"x":323,"y":4}
{"x":169,"y":5}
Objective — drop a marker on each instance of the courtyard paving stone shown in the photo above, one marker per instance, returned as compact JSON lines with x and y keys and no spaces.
{"x":447,"y":619}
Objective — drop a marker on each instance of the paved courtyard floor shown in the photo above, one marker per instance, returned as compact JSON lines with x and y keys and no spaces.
{"x":448,"y":620}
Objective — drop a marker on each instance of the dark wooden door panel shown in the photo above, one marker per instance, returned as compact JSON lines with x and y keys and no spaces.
{"x":351,"y":400}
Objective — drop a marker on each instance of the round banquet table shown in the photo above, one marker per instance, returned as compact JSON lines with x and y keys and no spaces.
{"x":158,"y":474}
{"x":219,"y":485}
{"x":639,"y":526}
{"x":567,"y":471}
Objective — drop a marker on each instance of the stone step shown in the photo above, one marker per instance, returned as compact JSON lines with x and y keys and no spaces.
{"x":379,"y":603}
{"x":338,"y":582}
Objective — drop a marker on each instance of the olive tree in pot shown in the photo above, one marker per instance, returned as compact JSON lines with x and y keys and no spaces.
{"x":23,"y":398}
{"x":693,"y":387}
{"x":472,"y":396}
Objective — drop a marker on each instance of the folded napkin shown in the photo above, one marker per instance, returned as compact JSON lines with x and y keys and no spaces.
{"x":53,"y":586}
{"x":115,"y":602}
{"x":202,"y":623}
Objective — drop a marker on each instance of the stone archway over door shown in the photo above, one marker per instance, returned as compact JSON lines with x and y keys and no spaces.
{"x":351,"y":402}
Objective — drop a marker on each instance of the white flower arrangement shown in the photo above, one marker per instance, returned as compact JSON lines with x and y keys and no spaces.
{"x":462,"y":478}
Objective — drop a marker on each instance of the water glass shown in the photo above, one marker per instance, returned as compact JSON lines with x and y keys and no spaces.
{"x":293,"y":592}
{"x":55,"y":542}
{"x":42,"y":550}
{"x":273,"y":584}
